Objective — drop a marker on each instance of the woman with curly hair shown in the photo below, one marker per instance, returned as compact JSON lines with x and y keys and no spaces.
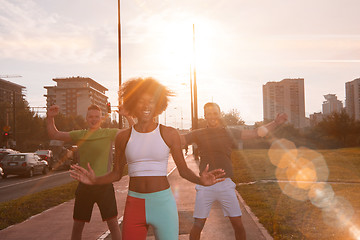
{"x":145,"y":147}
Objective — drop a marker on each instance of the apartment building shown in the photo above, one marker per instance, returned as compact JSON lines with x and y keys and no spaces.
{"x":352,"y":101}
{"x":8,"y":90}
{"x":285,"y":96}
{"x":10,"y":93}
{"x":331,"y":105}
{"x":75,"y":94}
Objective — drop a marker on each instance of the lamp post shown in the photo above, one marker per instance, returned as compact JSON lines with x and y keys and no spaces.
{"x":194,"y":105}
{"x":119,"y":48}
{"x":194,"y":88}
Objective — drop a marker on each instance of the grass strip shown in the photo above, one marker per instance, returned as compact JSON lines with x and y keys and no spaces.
{"x":287,"y":218}
{"x":18,"y":210}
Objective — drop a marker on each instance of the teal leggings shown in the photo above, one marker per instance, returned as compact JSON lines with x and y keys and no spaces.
{"x":157,"y":209}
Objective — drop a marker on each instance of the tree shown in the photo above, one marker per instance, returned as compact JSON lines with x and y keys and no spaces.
{"x":232,"y":118}
{"x":68,"y":123}
{"x":338,"y":125}
{"x":4,"y":120}
{"x":30,"y":128}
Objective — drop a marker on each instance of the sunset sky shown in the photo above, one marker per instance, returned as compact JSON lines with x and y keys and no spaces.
{"x":240,"y":45}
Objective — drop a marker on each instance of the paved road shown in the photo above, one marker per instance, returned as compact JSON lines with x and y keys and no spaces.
{"x":14,"y":187}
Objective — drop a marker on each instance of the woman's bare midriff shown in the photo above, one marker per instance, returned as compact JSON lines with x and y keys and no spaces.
{"x":148,"y":184}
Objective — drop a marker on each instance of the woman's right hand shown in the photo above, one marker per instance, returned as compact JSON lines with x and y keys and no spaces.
{"x":83,"y":175}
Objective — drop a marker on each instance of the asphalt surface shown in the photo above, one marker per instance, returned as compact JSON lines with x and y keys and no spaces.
{"x":14,"y":187}
{"x":56,"y":223}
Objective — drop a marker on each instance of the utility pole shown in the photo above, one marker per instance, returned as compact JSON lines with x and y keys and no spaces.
{"x":193,"y":90}
{"x":119,"y":47}
{"x":192,"y":100}
{"x":195,"y":123}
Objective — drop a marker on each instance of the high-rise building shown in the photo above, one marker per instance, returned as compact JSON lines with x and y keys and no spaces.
{"x":8,"y":90}
{"x":75,"y":94}
{"x":286,"y":96}
{"x":352,"y":101}
{"x":10,"y":93}
{"x":331,"y":105}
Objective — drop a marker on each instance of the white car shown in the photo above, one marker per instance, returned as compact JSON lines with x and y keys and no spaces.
{"x":23,"y":164}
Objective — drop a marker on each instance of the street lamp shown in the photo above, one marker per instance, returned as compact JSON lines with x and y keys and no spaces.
{"x":193,"y":87}
{"x":119,"y":47}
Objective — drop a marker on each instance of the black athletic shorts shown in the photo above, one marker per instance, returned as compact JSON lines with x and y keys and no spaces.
{"x":87,"y":195}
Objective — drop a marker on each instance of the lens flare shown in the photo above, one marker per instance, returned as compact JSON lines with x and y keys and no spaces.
{"x":321,"y":195}
{"x":355,"y":231}
{"x":338,"y":213}
{"x":318,"y":161}
{"x":287,"y":159}
{"x":305,"y":178}
{"x":302,"y":174}
{"x":175,"y":189}
{"x":280,"y":147}
{"x":289,"y":188}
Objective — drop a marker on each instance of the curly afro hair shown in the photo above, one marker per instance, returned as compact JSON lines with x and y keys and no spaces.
{"x":132,"y":90}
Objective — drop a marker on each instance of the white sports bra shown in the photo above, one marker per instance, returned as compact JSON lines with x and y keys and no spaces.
{"x":147,"y":154}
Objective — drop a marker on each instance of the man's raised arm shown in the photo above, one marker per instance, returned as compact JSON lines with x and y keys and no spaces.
{"x":53,"y":132}
{"x":262,"y":131}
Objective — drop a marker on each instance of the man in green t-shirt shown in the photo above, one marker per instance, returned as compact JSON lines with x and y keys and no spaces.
{"x":94,"y":147}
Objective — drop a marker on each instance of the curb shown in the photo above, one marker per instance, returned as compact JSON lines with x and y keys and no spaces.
{"x":263,"y":230}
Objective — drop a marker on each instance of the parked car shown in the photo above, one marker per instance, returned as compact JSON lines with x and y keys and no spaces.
{"x":26,"y":164}
{"x":46,"y":155}
{"x":6,"y":151}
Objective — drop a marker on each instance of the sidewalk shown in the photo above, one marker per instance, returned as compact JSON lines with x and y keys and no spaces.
{"x":56,"y":223}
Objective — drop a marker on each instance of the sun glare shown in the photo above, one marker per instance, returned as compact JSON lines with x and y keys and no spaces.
{"x":302,"y":174}
{"x":178,"y":50}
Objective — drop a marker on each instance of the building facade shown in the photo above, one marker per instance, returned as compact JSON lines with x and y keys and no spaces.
{"x":331,"y":105}
{"x":10,"y":95}
{"x":286,"y":96}
{"x":9,"y":90}
{"x":75,"y":94}
{"x":316,"y":118}
{"x":352,"y":101}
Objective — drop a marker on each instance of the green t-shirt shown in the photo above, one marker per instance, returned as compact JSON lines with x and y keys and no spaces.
{"x":95,"y":147}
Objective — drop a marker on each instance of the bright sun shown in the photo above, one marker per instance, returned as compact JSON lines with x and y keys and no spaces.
{"x":178,"y":50}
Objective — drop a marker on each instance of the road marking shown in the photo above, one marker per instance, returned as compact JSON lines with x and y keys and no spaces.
{"x":35,"y":179}
{"x":171,"y":171}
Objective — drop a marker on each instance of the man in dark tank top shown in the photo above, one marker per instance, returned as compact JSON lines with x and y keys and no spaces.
{"x":214,"y":144}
